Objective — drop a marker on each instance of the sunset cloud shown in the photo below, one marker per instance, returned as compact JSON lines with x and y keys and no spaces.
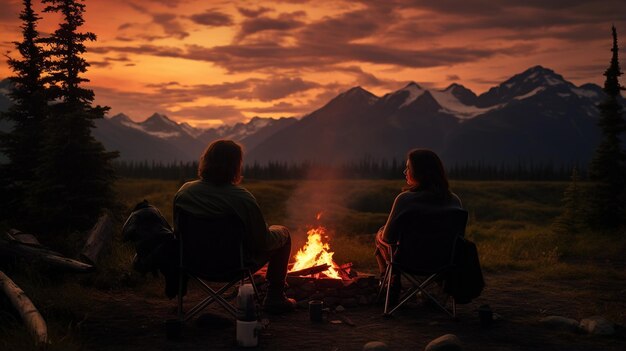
{"x":233,"y":60}
{"x":212,"y":18}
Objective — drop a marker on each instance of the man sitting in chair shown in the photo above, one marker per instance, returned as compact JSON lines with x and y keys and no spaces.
{"x":427,"y":189}
{"x":217,"y":193}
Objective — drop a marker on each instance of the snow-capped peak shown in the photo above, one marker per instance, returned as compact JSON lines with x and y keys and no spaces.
{"x":414,"y":90}
{"x":451,"y":100}
{"x":190,"y":129}
{"x":158,"y":118}
{"x":541,"y":75}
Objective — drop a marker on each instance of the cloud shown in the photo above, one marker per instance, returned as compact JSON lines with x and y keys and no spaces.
{"x":250,"y":89}
{"x":11,"y":12}
{"x":284,"y":22}
{"x":273,"y":89}
{"x":279,"y":108}
{"x":226,"y":114}
{"x":108,"y":61}
{"x":167,"y":21}
{"x":453,"y":77}
{"x":170,"y":3}
{"x":212,"y":18}
{"x":253,"y":13}
{"x":170,"y":25}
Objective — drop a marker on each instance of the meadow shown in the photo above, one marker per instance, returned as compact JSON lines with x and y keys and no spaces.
{"x":511,"y":223}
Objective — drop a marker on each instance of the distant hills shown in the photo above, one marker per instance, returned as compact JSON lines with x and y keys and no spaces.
{"x":535,"y":116}
{"x":160,"y":139}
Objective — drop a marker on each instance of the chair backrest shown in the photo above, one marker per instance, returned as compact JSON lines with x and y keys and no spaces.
{"x":212,"y":248}
{"x":428,"y":239}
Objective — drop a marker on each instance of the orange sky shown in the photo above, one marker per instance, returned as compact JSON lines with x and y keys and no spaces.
{"x":214,"y":62}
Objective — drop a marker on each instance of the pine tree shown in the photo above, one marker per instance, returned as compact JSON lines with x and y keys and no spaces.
{"x":75,"y":173}
{"x":23,"y":144}
{"x":608,"y":167}
{"x":571,"y":219}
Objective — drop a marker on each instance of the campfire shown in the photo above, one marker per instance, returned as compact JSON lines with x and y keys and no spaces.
{"x":314,"y":274}
{"x":314,"y":257}
{"x":316,"y":260}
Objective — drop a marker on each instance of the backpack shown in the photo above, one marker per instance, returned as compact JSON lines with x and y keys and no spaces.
{"x":466,"y":281}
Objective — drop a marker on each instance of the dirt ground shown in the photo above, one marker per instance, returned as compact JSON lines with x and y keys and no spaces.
{"x":123,"y":320}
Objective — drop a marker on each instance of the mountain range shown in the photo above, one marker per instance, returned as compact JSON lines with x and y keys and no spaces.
{"x":535,"y":116}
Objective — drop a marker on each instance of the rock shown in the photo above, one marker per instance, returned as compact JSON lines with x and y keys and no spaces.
{"x":339,"y":308}
{"x":375,"y":346}
{"x":560,"y":323}
{"x":448,"y":342}
{"x":597,"y":325}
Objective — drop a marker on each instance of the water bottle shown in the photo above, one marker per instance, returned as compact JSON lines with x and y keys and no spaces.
{"x":247,"y":325}
{"x":245,"y":303}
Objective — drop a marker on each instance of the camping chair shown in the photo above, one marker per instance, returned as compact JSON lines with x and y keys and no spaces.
{"x":424,"y":253}
{"x":211,"y":250}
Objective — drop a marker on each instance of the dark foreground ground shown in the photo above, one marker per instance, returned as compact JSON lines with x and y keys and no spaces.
{"x":126,"y":321}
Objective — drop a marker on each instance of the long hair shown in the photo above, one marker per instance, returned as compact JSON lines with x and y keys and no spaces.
{"x":428,"y":171}
{"x":221,"y":163}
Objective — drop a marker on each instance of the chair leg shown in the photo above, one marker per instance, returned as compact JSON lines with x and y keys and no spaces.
{"x":383,"y":285}
{"x":388,"y":282}
{"x":422,"y":285}
{"x":453,"y":308}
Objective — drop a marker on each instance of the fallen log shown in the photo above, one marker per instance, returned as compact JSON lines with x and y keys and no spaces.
{"x":26,"y":238}
{"x":25,"y":307}
{"x":43,"y":254}
{"x":99,"y":238}
{"x":310,"y":270}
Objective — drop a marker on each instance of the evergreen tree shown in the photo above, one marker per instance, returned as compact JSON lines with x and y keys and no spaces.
{"x":23,"y":144}
{"x":571,"y":219}
{"x":75,"y":173}
{"x":608,"y":169}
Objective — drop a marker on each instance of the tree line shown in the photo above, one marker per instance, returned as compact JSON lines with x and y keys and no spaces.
{"x":364,"y":169}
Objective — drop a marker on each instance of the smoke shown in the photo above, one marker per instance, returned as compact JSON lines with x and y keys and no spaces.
{"x":317,"y":201}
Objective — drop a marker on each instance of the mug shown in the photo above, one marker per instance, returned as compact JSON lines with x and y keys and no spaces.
{"x":316,"y":308}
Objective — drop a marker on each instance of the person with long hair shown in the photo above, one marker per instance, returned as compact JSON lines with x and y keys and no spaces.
{"x":428,"y":188}
{"x":217,"y":193}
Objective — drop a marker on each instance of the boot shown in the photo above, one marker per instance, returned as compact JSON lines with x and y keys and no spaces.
{"x":278,"y":303}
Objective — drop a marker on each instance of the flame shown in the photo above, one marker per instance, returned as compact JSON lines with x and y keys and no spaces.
{"x":319,"y":216}
{"x":315,"y":253}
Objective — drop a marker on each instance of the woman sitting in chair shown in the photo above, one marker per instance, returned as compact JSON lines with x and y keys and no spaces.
{"x":217,"y":193}
{"x":427,"y":189}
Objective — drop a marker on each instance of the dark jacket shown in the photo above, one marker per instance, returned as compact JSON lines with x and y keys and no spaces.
{"x":203,"y":198}
{"x":154,"y":242}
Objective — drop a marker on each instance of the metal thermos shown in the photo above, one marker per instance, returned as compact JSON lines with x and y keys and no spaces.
{"x":247,"y":324}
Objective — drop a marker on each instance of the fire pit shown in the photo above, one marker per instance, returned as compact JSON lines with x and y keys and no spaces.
{"x":314,"y":275}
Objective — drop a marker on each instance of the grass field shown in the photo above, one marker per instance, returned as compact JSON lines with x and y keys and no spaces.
{"x":511,"y":223}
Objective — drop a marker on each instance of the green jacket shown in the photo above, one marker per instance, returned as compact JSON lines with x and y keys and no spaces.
{"x":202,"y":198}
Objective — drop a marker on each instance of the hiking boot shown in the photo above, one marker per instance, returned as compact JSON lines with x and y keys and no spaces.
{"x":278,"y":304}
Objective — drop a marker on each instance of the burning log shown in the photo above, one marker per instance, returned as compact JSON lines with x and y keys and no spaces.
{"x":346,"y":272}
{"x":310,"y":270}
